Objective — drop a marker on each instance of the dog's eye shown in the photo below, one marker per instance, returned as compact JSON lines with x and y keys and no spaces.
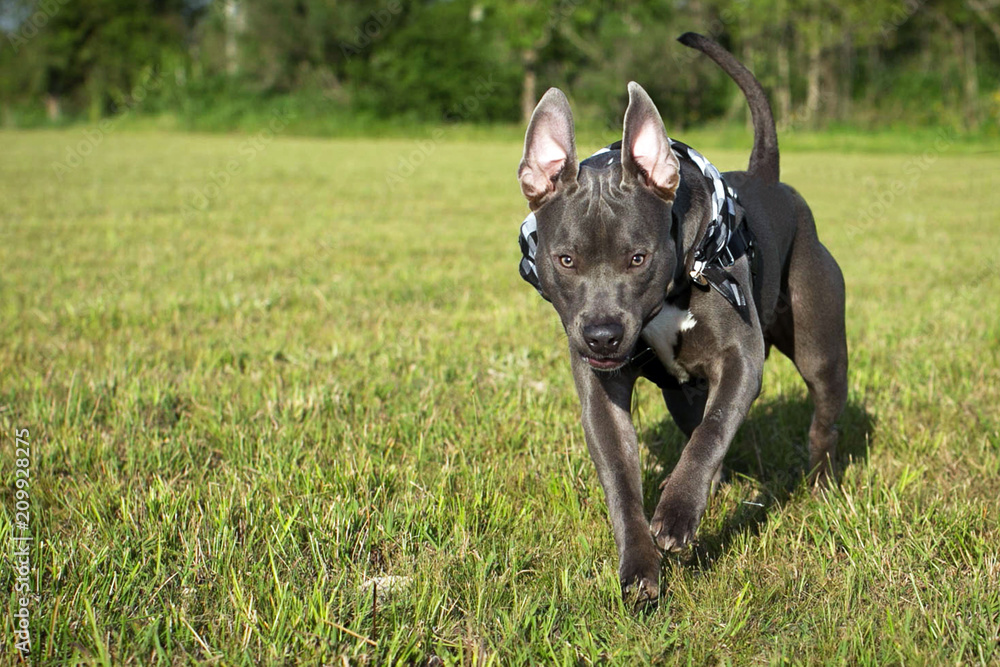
{"x":566,"y":261}
{"x":638,"y":259}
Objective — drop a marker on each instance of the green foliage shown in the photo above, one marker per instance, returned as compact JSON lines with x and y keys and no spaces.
{"x":424,"y":61}
{"x":316,"y":420}
{"x":92,"y":52}
{"x":436,"y":63}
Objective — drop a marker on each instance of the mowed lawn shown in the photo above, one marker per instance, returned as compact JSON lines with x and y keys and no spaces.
{"x":312,"y":414}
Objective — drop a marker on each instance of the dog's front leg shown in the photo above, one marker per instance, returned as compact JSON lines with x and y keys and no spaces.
{"x":605,"y":399}
{"x":733,"y":384}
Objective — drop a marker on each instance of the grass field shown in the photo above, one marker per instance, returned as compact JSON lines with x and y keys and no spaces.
{"x":311,"y":414}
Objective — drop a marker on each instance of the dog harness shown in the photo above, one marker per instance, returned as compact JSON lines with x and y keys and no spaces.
{"x":727,"y":238}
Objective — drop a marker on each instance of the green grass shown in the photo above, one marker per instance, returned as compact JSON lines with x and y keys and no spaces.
{"x":319,"y":117}
{"x":243,"y":416}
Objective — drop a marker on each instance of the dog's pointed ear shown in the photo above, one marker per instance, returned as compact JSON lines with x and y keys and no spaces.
{"x":646,"y":152}
{"x":549,"y":149}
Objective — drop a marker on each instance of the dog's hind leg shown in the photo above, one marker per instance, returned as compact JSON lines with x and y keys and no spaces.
{"x":811,"y":333}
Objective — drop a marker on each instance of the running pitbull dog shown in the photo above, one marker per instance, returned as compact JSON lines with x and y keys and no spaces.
{"x":649,"y":247}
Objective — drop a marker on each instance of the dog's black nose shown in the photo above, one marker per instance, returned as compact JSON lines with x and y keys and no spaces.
{"x":603,"y":338}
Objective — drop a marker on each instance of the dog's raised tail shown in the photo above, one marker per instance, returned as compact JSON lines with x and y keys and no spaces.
{"x":764,"y":163}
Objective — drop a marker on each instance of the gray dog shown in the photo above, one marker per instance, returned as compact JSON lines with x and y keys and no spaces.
{"x":661,"y":267}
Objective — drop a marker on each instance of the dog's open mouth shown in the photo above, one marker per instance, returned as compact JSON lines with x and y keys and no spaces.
{"x":605,"y":363}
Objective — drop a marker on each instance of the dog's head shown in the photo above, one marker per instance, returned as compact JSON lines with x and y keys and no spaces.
{"x":605,"y":252}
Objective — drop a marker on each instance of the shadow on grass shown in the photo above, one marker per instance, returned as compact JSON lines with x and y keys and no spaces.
{"x":771,"y":450}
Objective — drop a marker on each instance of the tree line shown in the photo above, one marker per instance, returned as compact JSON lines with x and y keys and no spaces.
{"x":866,"y":63}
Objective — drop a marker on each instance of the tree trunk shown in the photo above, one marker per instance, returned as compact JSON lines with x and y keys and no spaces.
{"x":830,"y":102}
{"x":53,"y":107}
{"x":872,"y":89}
{"x":231,"y":11}
{"x":958,"y":53}
{"x":812,"y":80}
{"x":529,"y":58}
{"x":784,"y":92}
{"x":990,"y":20}
{"x":845,"y":96}
{"x":971,"y":76}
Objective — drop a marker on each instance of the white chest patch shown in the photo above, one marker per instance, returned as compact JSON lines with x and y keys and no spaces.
{"x":661,"y":335}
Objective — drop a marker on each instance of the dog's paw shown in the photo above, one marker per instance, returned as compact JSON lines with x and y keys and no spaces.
{"x":821,"y":476}
{"x":641,"y":592}
{"x":677,"y":516}
{"x":639,"y":573}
